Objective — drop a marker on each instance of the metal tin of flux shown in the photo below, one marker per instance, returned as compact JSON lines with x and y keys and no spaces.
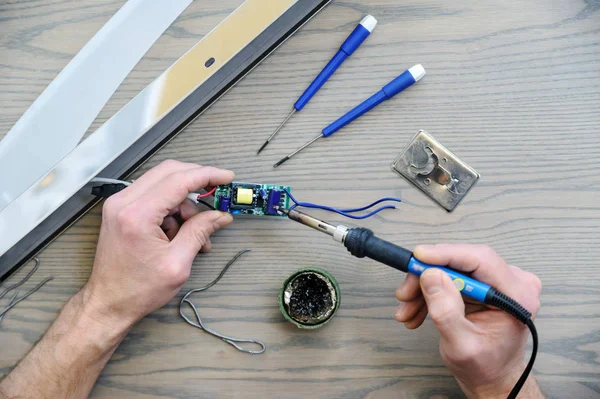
{"x":286,"y":298}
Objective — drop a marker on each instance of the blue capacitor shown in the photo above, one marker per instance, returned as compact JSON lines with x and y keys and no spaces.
{"x":272,"y":202}
{"x":224,"y":204}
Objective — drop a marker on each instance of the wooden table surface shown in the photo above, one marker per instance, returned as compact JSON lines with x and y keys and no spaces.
{"x":513,"y":88}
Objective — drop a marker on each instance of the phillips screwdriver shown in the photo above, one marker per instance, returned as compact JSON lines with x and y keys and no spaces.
{"x":362,"y":242}
{"x":358,"y":35}
{"x":405,"y":80}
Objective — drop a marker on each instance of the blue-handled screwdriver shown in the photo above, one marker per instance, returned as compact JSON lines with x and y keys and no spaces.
{"x":405,"y":80}
{"x":358,"y":35}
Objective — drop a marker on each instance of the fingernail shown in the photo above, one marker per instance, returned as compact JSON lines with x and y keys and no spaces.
{"x":399,"y":311}
{"x":431,"y":282}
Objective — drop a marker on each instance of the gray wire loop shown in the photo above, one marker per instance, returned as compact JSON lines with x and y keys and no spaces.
{"x":32,"y":291}
{"x":230,"y":340}
{"x":20,"y":283}
{"x":14,"y":300}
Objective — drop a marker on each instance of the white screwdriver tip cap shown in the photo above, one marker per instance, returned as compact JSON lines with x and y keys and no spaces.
{"x":369,"y":22}
{"x":417,"y":72}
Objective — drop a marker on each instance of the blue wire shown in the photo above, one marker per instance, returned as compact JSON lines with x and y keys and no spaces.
{"x":344,"y":212}
{"x":364,"y":208}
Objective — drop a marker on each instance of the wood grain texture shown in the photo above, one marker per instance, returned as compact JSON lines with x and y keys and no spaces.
{"x":513,"y":88}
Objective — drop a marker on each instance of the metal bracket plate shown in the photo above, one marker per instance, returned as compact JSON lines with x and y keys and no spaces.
{"x":435,"y":170}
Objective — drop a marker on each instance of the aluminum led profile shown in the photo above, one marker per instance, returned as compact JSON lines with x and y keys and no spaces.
{"x":135,"y":118}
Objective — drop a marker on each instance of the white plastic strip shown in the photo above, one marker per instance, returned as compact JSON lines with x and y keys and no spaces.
{"x":57,"y":120}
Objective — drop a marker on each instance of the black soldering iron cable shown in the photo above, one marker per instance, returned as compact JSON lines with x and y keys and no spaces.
{"x":505,"y":303}
{"x":519,"y":385}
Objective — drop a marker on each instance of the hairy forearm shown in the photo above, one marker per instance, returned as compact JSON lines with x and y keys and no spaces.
{"x":68,"y":359}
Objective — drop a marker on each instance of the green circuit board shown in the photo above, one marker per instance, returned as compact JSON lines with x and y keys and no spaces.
{"x":239,"y":198}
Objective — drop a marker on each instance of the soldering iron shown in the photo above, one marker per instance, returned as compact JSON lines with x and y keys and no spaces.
{"x":362,"y":242}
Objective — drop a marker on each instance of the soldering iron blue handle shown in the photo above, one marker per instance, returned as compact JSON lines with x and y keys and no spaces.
{"x":320,"y":80}
{"x":362,"y":242}
{"x":466,"y":285}
{"x":358,"y":35}
{"x":388,"y":91}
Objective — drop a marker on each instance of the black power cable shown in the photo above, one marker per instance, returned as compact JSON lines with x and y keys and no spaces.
{"x":504,"y":302}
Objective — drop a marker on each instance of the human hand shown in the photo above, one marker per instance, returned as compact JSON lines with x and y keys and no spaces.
{"x":144,"y":256}
{"x":482,"y":347}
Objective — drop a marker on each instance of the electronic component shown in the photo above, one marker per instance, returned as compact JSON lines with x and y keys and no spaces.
{"x":224,"y":204}
{"x":243,"y":196}
{"x":273,"y":200}
{"x":240,"y":198}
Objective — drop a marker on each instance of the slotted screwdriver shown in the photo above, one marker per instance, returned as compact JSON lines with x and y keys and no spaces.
{"x":405,"y":80}
{"x":354,"y":40}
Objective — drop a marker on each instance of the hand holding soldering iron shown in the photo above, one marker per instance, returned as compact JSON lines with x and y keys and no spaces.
{"x":482,"y":347}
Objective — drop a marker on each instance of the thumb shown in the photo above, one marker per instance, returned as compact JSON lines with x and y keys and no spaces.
{"x":445,"y":305}
{"x":195,"y":233}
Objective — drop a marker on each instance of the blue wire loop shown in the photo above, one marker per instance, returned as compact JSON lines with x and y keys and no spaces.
{"x":345,"y":212}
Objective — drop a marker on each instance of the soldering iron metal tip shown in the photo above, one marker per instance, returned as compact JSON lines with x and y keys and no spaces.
{"x":285,"y":211}
{"x":281,"y":161}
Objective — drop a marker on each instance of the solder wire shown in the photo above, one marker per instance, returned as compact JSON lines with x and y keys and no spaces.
{"x":14,"y":300}
{"x":23,"y":281}
{"x":345,"y":212}
{"x":230,"y":340}
{"x":32,"y":291}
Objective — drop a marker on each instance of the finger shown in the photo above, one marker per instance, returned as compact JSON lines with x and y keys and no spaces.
{"x":418,"y":320}
{"x":409,"y":289}
{"x":445,"y":306}
{"x":206,"y":247}
{"x":533,"y":280}
{"x":187,"y":209}
{"x":409,"y":310}
{"x":474,"y":308}
{"x":157,"y":174}
{"x":195,"y":232}
{"x":484,"y":265}
{"x":173,"y":190}
{"x":170,"y":226}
